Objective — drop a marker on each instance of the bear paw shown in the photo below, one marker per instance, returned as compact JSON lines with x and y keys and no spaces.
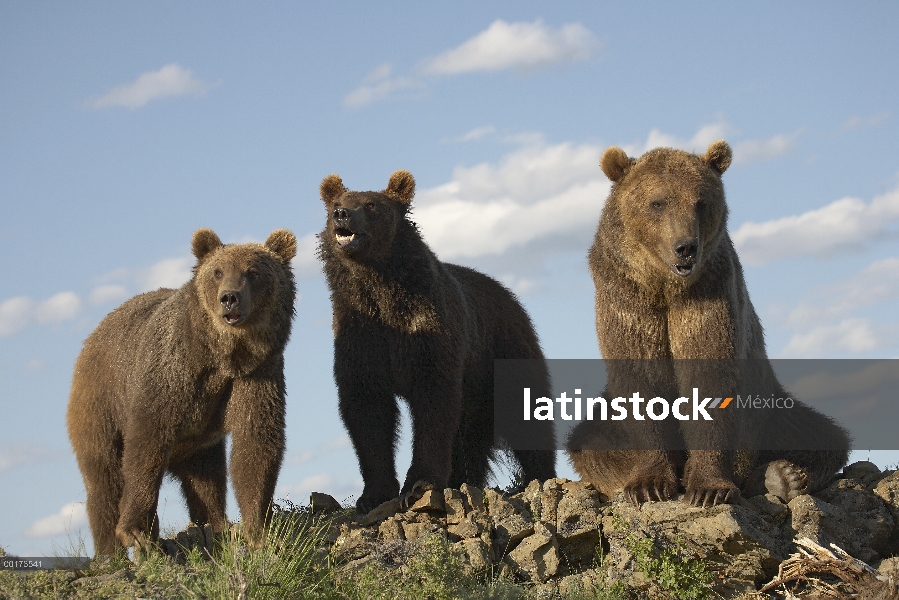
{"x":785,"y":480}
{"x":650,"y":487}
{"x":706,"y":494}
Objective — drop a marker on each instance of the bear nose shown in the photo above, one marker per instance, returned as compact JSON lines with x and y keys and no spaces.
{"x":230,"y":300}
{"x":341,"y":214}
{"x":686,"y":248}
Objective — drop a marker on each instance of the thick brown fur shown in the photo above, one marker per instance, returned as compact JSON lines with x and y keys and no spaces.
{"x":409,"y":325}
{"x":167,"y":375}
{"x":669,"y":285}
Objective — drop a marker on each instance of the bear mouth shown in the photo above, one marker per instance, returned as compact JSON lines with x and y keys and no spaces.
{"x":684,"y":270}
{"x":233,"y":318}
{"x":345,"y":238}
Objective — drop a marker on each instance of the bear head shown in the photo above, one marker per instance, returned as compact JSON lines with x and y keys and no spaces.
{"x":245,"y":286}
{"x":362,"y":226}
{"x":668,"y":206}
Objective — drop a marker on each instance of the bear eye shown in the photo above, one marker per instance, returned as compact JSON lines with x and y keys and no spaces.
{"x":252,"y":274}
{"x":218,"y":273}
{"x":657,"y":204}
{"x":370,"y":205}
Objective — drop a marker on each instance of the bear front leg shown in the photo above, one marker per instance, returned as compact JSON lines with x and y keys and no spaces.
{"x":204,"y":481}
{"x":368,"y":408}
{"x":371,"y":419}
{"x":436,"y":411}
{"x":708,"y":478}
{"x":143,"y":466}
{"x":255,"y":419}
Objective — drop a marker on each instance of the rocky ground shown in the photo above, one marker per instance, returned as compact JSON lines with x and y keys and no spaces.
{"x":555,"y":539}
{"x":561,"y":534}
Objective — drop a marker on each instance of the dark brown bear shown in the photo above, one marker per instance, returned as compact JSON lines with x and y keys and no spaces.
{"x":669,"y":286}
{"x":167,"y":375}
{"x":406,"y":324}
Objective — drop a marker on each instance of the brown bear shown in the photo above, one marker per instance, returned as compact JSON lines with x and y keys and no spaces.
{"x":167,"y":375}
{"x":407,"y":324}
{"x":669,"y":287}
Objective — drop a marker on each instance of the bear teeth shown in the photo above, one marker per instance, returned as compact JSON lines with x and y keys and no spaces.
{"x":343,"y":240}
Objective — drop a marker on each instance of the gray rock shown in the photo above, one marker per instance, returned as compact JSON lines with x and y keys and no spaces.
{"x":511,"y":518}
{"x":323,"y":503}
{"x":537,"y":556}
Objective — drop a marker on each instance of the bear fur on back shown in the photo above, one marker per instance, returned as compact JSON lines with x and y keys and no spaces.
{"x":166,"y":376}
{"x":408,"y":325}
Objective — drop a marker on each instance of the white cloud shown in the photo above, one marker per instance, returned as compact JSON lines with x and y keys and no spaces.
{"x":876,"y":284}
{"x":15,"y":314}
{"x":535,"y":192}
{"x":306,"y":456}
{"x":167,"y":273}
{"x":475,"y":134}
{"x":381,"y":85}
{"x":851,"y":335}
{"x":35,"y":365}
{"x":306,"y":263}
{"x":842,"y":226}
{"x":519,"y":285}
{"x":753,"y":151}
{"x":826,"y":322}
{"x":59,"y":308}
{"x":322,"y":482}
{"x":16,"y":455}
{"x":745,"y":152}
{"x":18,"y":313}
{"x":108,"y":294}
{"x":856,"y":122}
{"x":71,"y":517}
{"x":698,"y":143}
{"x":523,"y":46}
{"x":169,"y":81}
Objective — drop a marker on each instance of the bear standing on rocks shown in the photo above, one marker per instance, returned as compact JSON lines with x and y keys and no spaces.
{"x":669,"y":287}
{"x":409,"y":325}
{"x":167,"y":375}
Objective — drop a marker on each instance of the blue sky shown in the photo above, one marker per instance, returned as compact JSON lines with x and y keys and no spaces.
{"x":124,"y":128}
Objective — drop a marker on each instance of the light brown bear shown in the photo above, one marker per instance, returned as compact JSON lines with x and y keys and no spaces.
{"x":669,"y":287}
{"x":408,"y":325}
{"x":167,"y":375}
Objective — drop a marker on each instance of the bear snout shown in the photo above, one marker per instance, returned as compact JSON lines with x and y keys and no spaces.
{"x":686,"y":251}
{"x":685,"y":248}
{"x":231,"y":305}
{"x":343,"y":231}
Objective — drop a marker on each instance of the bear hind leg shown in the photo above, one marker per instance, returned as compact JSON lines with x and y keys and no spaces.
{"x":806,"y":451}
{"x":104,"y":481}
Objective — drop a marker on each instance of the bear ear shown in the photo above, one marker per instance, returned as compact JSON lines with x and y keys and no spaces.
{"x":615,"y":163}
{"x":718,"y":156}
{"x":331,"y":188}
{"x":283,"y":243}
{"x":401,"y":187}
{"x":204,"y":242}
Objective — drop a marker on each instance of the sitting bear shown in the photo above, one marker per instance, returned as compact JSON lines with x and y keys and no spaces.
{"x":408,"y":325}
{"x":669,"y":288}
{"x":167,"y":375}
